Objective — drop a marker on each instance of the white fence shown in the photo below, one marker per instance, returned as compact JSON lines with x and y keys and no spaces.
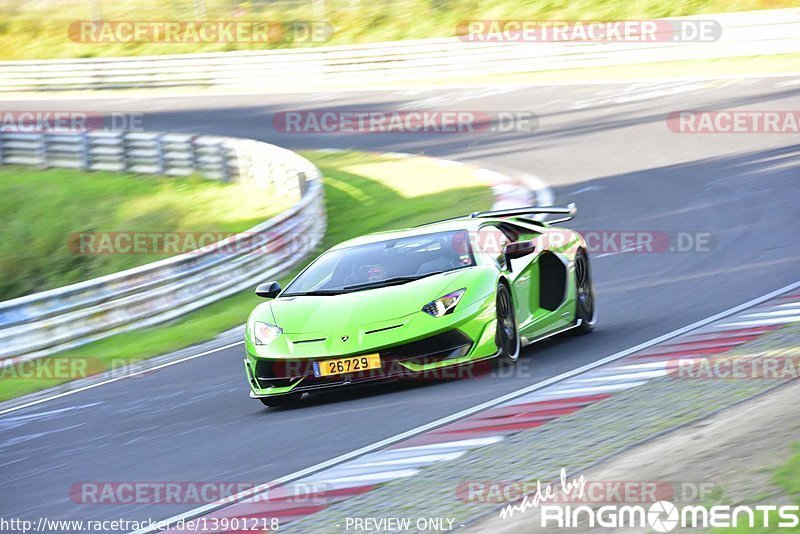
{"x":742,"y":34}
{"x":42,"y":323}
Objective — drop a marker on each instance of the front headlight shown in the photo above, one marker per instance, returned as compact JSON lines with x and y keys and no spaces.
{"x":444,"y":305}
{"x":265,"y":333}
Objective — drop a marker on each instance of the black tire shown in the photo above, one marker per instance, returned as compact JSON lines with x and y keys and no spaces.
{"x":283,"y":400}
{"x":585,"y":305}
{"x":506,"y":337}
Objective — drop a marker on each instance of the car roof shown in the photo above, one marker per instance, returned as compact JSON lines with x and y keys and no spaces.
{"x":465,"y":223}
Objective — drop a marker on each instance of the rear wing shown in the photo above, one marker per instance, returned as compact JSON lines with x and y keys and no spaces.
{"x":567,"y":211}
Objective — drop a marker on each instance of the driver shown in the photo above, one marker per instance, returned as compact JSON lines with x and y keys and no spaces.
{"x":451,"y":256}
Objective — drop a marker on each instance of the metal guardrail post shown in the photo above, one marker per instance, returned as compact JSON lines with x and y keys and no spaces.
{"x":84,"y":155}
{"x":229,"y":170}
{"x":126,"y":161}
{"x":41,"y":153}
{"x":160,"y":152}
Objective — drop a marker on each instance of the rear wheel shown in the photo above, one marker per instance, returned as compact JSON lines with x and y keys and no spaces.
{"x":507,"y":338}
{"x":585,"y":309}
{"x":282,"y":400}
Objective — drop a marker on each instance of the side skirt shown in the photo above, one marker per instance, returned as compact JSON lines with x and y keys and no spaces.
{"x":525,"y":341}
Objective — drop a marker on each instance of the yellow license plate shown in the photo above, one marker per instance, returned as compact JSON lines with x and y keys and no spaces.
{"x":347,"y":365}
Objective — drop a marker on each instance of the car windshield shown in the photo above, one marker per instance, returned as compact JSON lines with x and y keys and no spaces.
{"x":384,"y":263}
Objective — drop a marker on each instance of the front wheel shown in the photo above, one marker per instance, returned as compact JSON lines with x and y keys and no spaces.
{"x":585,"y":308}
{"x":507,"y":338}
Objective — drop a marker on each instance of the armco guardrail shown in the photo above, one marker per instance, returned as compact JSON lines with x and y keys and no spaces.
{"x":743,"y":34}
{"x":42,"y":323}
{"x":139,"y":152}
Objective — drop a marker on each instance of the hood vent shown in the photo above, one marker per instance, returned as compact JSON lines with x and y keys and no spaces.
{"x":383,"y":329}
{"x":308,"y":341}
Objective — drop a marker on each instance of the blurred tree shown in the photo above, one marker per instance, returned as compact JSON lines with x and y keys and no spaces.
{"x":96,"y":9}
{"x":199,"y":9}
{"x":319,"y":8}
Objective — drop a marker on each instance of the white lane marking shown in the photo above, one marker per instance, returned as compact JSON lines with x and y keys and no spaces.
{"x":764,"y":322}
{"x":592,"y":187}
{"x":775,"y":313}
{"x":643,"y":366}
{"x":116,"y":378}
{"x":791,"y":305}
{"x":621,"y":377}
{"x":392,"y":455}
{"x":208,"y":508}
{"x":466,"y":443}
{"x":635,"y":247}
{"x":410,"y":461}
{"x":345,"y":472}
{"x":361,"y":480}
{"x":704,"y":336}
{"x":576,"y":390}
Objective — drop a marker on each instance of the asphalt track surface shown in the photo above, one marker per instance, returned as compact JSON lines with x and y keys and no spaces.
{"x":605,"y":147}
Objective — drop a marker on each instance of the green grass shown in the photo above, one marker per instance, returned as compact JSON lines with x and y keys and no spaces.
{"x":364,"y":193}
{"x":44,"y":209}
{"x":786,"y":478}
{"x":31,"y":30}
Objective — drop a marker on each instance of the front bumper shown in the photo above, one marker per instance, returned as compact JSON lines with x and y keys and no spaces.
{"x":406,"y":360}
{"x":465,"y":340}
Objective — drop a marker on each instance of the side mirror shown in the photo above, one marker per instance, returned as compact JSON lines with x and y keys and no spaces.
{"x":268,"y":290}
{"x":518,"y":250}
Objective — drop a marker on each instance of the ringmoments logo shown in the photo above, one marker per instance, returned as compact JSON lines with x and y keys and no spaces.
{"x":665,"y":516}
{"x":556,"y":502}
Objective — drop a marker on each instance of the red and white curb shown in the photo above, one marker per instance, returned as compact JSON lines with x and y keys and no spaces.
{"x":450,"y":440}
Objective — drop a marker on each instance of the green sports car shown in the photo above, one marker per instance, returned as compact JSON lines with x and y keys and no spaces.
{"x":412,"y":302}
